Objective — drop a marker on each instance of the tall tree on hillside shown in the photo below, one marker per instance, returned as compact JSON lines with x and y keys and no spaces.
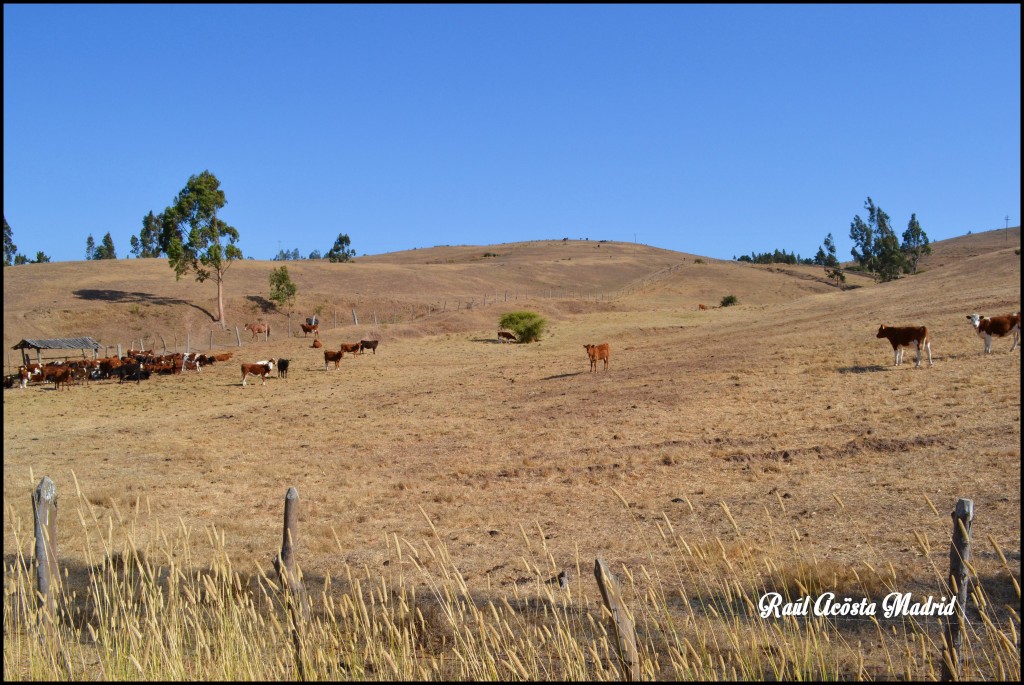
{"x":192,"y":235}
{"x":341,"y":252}
{"x":106,"y":249}
{"x":876,"y":247}
{"x":147,"y":244}
{"x":827,"y":257}
{"x":915,"y":243}
{"x":10,"y":249}
{"x":90,"y":247}
{"x":41,"y":257}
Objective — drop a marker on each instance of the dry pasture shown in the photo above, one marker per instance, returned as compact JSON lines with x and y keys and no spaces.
{"x":783,"y":412}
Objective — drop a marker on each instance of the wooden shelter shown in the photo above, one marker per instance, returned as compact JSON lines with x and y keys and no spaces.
{"x":81,"y":344}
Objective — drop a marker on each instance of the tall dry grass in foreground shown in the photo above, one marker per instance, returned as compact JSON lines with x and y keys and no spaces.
{"x":148,"y":612}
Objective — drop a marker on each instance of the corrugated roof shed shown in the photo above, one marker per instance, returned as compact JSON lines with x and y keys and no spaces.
{"x":58,"y":344}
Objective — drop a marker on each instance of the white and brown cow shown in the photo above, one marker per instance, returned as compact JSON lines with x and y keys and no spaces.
{"x":906,"y":336}
{"x":999,"y":326}
{"x":260,"y":369}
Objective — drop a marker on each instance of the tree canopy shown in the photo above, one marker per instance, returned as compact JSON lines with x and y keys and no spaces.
{"x":192,"y":236}
{"x":341,"y":252}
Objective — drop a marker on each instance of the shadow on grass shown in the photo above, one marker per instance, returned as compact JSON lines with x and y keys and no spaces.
{"x":561,"y":375}
{"x":862,"y":369}
{"x":489,"y":341}
{"x":126,"y":297}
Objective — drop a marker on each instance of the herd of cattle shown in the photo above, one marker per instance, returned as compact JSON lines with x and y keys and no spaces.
{"x":139,"y":365}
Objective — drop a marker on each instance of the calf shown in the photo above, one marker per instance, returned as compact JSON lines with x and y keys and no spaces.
{"x":905,"y":336}
{"x":597,"y":353}
{"x":702,"y":307}
{"x":260,"y":369}
{"x":368,"y":345}
{"x":282,"y":368}
{"x":505,"y":336}
{"x":998,"y":326}
{"x":60,"y":377}
{"x":353,"y":348}
{"x":317,"y":344}
{"x":332,"y":356}
{"x":310,"y":328}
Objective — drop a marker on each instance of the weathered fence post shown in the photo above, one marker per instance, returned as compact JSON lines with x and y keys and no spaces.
{"x":188,"y":342}
{"x":119,"y":355}
{"x":238,"y":336}
{"x":625,"y":634}
{"x":959,"y":557}
{"x":288,"y":575}
{"x":355,"y":319}
{"x":211,"y":338}
{"x":44,"y":510}
{"x":163,"y":342}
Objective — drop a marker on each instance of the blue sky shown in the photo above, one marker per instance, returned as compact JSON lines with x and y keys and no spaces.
{"x":715,"y":130}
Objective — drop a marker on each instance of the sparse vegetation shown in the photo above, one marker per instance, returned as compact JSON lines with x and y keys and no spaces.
{"x":528,"y":326}
{"x":722,"y":457}
{"x":729,"y":300}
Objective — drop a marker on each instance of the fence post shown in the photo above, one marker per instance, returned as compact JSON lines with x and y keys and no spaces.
{"x":163,"y":342}
{"x":623,"y":625}
{"x":211,"y":338}
{"x":355,"y":319}
{"x":44,"y":510}
{"x":959,"y":557}
{"x":188,"y":342}
{"x":238,"y":336}
{"x":287,"y":574}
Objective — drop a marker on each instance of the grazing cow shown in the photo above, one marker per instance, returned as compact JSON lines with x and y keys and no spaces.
{"x":313,"y":328}
{"x":905,"y":336}
{"x":597,"y":353}
{"x":224,"y":356}
{"x":505,"y":336}
{"x":282,"y":368}
{"x":702,"y":307}
{"x":998,"y":326}
{"x":258,"y":328}
{"x":260,"y":369}
{"x":317,"y":344}
{"x":368,"y":345}
{"x":332,"y":356}
{"x":352,"y":348}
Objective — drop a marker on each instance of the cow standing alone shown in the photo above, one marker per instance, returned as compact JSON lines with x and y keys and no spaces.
{"x":998,"y":326}
{"x":905,"y":336}
{"x":598,"y":353}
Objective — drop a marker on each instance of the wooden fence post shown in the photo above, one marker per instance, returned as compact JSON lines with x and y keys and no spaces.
{"x":211,"y":338}
{"x":623,"y":625}
{"x":355,"y":319}
{"x":959,"y":557}
{"x":44,"y":510}
{"x":288,"y":575}
{"x":188,"y":342}
{"x":238,"y":336}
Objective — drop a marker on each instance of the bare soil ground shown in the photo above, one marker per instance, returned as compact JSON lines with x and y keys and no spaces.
{"x":786,"y":408}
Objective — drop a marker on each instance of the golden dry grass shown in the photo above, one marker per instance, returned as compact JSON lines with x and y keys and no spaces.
{"x":781,"y":418}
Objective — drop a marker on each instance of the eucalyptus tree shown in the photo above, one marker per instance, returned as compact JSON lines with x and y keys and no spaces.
{"x":195,"y":240}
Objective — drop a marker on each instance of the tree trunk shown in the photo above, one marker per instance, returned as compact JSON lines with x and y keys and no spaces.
{"x":220,"y":298}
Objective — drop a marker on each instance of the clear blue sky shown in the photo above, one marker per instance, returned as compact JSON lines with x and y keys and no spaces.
{"x":715,"y":130}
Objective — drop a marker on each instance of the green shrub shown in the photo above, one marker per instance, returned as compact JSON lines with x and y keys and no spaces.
{"x":729,"y":300}
{"x":528,"y":326}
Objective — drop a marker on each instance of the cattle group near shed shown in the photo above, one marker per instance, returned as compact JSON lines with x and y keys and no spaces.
{"x":998,"y":326}
{"x":905,"y":336}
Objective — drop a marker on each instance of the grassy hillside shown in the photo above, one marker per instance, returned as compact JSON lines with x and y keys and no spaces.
{"x":749,"y":447}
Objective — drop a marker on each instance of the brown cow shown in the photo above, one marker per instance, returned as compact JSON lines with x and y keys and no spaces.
{"x":260,"y":370}
{"x":905,"y":336}
{"x":352,"y":348}
{"x":597,"y":353}
{"x":505,"y":336}
{"x":998,"y":326}
{"x":313,"y":328}
{"x":702,"y":307}
{"x":317,"y":343}
{"x":332,"y":356}
{"x":258,"y":328}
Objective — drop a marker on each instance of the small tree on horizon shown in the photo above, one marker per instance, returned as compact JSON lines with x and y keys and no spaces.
{"x":106,"y":248}
{"x":10,"y":249}
{"x":282,"y":288}
{"x":341,"y":252}
{"x":90,"y":247}
{"x":915,"y":243}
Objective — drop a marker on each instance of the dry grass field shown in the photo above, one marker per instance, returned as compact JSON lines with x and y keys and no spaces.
{"x":776,"y":435}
